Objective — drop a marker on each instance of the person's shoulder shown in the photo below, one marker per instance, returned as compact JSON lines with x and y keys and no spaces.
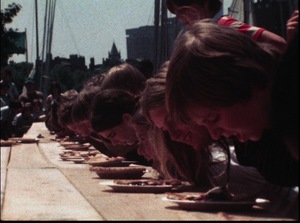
{"x":39,"y":93}
{"x":23,"y":95}
{"x":225,"y":20}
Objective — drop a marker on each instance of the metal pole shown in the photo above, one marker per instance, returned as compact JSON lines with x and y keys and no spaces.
{"x":156,"y":27}
{"x":37,"y":30}
{"x":26,"y":51}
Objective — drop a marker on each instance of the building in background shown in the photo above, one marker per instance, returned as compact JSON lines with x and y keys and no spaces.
{"x":141,"y":42}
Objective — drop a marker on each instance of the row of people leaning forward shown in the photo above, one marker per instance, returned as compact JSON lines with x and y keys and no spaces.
{"x":221,"y":90}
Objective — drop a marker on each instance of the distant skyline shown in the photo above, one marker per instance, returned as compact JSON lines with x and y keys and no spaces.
{"x":87,"y":28}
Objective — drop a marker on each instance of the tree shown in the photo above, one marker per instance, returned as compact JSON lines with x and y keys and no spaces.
{"x":10,"y":37}
{"x":68,"y":78}
{"x":20,"y":73}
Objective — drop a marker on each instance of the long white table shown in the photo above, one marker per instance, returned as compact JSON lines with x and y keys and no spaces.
{"x":37,"y":185}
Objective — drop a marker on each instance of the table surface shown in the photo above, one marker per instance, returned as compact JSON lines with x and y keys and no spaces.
{"x":37,"y":185}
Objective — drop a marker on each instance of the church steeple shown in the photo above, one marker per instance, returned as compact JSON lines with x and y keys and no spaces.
{"x":114,"y":57}
{"x":114,"y":54}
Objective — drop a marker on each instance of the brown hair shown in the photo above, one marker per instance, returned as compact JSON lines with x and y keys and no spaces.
{"x":214,"y":66}
{"x":82,"y":104}
{"x":126,"y":77}
{"x":175,"y":159}
{"x":108,"y":107}
{"x":153,"y":95}
{"x":65,"y":107}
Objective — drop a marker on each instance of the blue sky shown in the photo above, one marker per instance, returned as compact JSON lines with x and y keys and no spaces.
{"x":87,"y":28}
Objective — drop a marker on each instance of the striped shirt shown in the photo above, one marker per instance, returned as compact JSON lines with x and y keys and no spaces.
{"x":252,"y":31}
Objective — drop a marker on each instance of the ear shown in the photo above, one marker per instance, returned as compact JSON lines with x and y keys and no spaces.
{"x":127,"y":117}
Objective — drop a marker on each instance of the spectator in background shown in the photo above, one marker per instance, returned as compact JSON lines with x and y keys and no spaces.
{"x":4,"y":94}
{"x":31,"y":93}
{"x":23,"y":121}
{"x":53,"y":97}
{"x":6,"y":78}
{"x":8,"y":114}
{"x":38,"y":111}
{"x":52,"y":101}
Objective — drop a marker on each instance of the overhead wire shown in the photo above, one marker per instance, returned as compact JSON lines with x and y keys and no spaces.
{"x":68,"y":26}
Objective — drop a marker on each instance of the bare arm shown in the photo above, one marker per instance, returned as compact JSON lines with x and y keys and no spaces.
{"x":292,"y":26}
{"x":274,"y":39}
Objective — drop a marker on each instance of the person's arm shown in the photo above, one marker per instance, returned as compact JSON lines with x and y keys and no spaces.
{"x":256,"y":33}
{"x":274,"y":39}
{"x":292,"y":26}
{"x":22,"y":98}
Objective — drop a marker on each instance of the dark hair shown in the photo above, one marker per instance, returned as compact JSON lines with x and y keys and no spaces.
{"x":36,"y":101}
{"x":82,"y":104}
{"x":15,"y":105}
{"x":213,"y":5}
{"x":26,"y":107}
{"x":94,"y":81}
{"x":4,"y":85}
{"x":7,"y":71}
{"x":54,"y":84}
{"x":109,"y":106}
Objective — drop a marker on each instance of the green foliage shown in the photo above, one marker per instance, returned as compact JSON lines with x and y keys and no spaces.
{"x":69,"y":79}
{"x":20,"y":72}
{"x":8,"y":47}
{"x":8,"y":13}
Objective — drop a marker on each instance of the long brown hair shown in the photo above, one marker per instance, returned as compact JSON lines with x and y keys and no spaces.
{"x":176,"y":159}
{"x":215,"y":66}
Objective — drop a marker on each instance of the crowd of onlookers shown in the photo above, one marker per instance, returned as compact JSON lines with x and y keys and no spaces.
{"x":19,"y":110}
{"x":226,"y":85}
